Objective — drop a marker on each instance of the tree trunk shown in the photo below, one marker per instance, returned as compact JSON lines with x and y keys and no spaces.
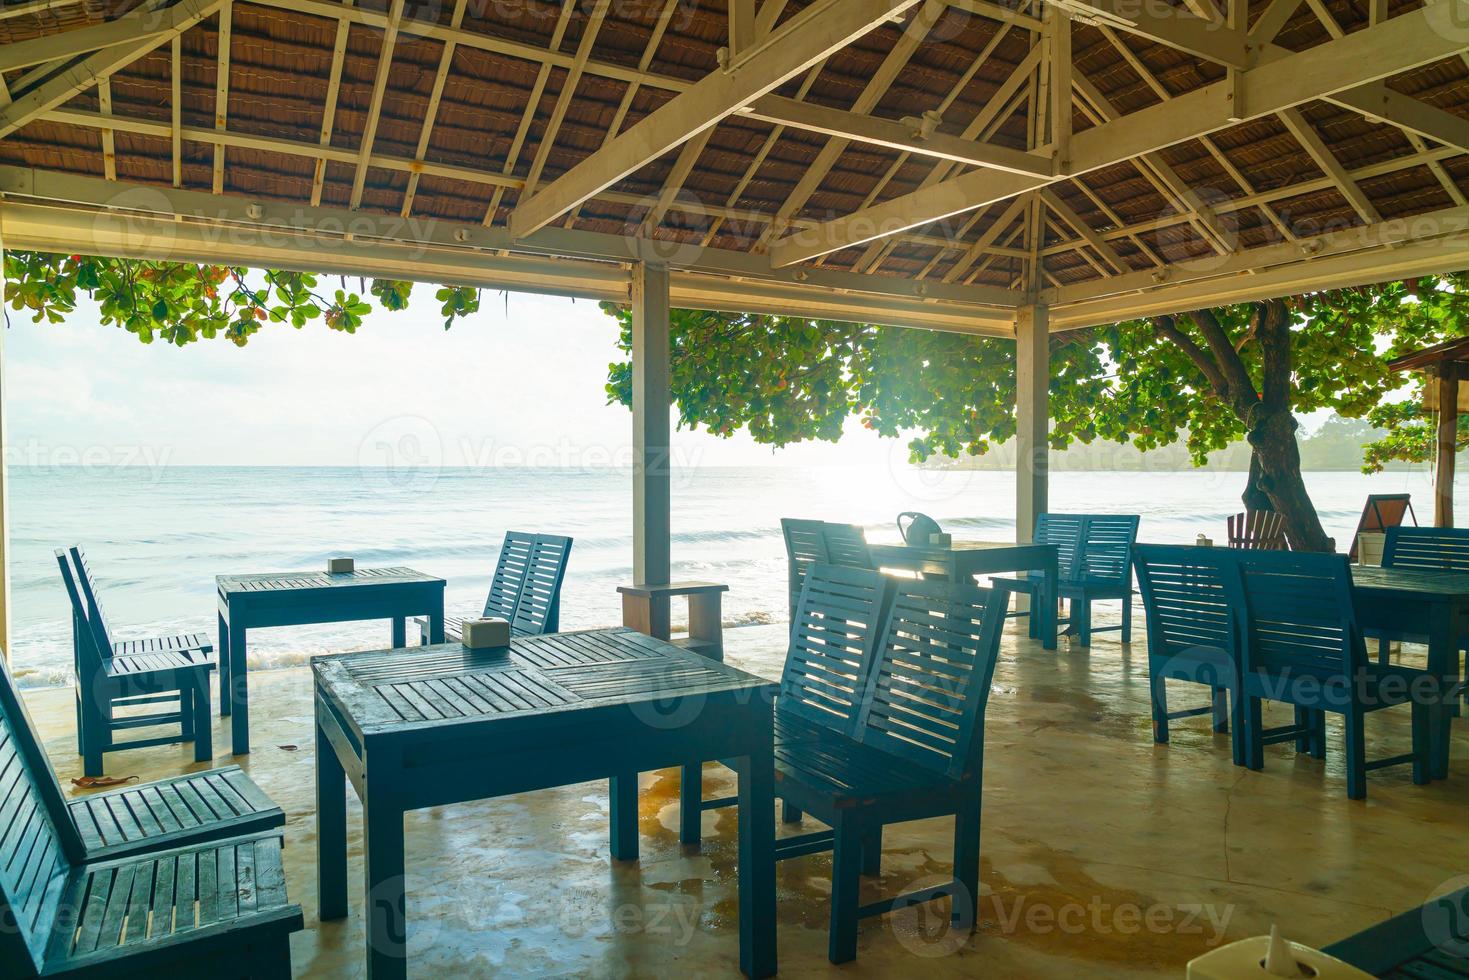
{"x":1255,"y":497}
{"x":1273,"y":438}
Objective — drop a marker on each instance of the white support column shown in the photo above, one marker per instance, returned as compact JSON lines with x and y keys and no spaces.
{"x":1032,"y":416}
{"x":651,"y":430}
{"x":4,"y":490}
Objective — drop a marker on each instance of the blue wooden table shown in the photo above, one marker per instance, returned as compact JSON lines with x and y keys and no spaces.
{"x":1435,"y":604}
{"x":435,"y":725}
{"x":297,"y":598}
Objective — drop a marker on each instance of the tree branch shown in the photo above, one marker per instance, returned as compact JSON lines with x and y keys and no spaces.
{"x":1166,"y":328}
{"x":1240,"y":390}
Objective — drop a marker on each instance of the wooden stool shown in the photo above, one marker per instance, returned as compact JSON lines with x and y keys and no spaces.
{"x":645,"y":608}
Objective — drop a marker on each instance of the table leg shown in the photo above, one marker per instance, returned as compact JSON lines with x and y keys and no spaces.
{"x":1051,"y":586}
{"x":436,"y":624}
{"x":239,"y":692}
{"x":623,"y":816}
{"x":331,"y":830}
{"x":387,"y":927}
{"x":224,"y":666}
{"x":1442,"y":663}
{"x":400,"y":632}
{"x":756,"y":773}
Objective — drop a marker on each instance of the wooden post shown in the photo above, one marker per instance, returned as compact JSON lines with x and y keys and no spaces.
{"x":4,"y":493}
{"x":1448,"y":431}
{"x":1032,"y":416}
{"x":651,"y":435}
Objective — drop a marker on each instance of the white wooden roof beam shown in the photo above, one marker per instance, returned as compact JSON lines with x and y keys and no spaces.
{"x":1372,"y":54}
{"x":375,"y":106}
{"x":221,"y":89}
{"x":431,"y":111}
{"x":1306,"y":135}
{"x":51,"y":92}
{"x":1169,"y":26}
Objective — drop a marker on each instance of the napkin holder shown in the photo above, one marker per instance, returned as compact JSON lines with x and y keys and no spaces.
{"x":340,"y":566}
{"x":486,"y":634}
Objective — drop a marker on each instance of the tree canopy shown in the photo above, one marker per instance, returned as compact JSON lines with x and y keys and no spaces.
{"x":788,"y":379}
{"x":179,"y":302}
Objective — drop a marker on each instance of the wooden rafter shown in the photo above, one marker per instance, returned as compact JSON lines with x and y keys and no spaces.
{"x":375,"y":107}
{"x":329,"y":110}
{"x":222,"y":90}
{"x":431,"y":112}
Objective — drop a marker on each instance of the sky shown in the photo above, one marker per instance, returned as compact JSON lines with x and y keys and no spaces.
{"x":519,"y":383}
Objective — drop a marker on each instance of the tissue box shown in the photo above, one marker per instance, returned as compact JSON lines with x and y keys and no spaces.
{"x":486,"y":634}
{"x":1370,"y":545}
{"x":336,"y":566}
{"x":1245,"y":959}
{"x":941,"y":540}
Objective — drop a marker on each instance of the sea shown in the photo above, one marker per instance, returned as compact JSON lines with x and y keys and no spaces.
{"x":156,"y":536}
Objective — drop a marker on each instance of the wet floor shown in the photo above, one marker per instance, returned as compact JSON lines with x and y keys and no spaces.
{"x":1103,"y":854}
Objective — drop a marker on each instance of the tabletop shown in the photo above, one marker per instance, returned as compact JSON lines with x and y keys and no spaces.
{"x":955,"y":546}
{"x":291,"y":581}
{"x":394,"y":690}
{"x":1419,"y":582}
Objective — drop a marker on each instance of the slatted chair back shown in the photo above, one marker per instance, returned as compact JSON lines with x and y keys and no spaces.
{"x":1437,"y":549}
{"x":1185,"y":601}
{"x":1295,"y":614}
{"x":805,"y":546}
{"x":927,"y":691}
{"x":38,"y":841}
{"x":837,"y":626}
{"x":510,"y":571}
{"x":846,"y":545}
{"x":88,"y":636}
{"x":1382,"y":511}
{"x":1106,"y":549}
{"x":1065,"y":532}
{"x":92,"y":598}
{"x":1258,"y":530}
{"x":538,"y":609}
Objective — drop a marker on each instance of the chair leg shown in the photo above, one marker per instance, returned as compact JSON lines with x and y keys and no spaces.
{"x":186,"y":711}
{"x":846,"y":870}
{"x":1033,"y":620}
{"x":691,"y":804}
{"x":203,"y":720}
{"x":1422,"y":739}
{"x":1081,"y":615}
{"x":1127,"y":618}
{"x":1159,"y":691}
{"x":1356,"y":727}
{"x":1253,"y":723}
{"x":1318,"y":746}
{"x":872,"y":851}
{"x":1221,"y":709}
{"x":93,"y":727}
{"x":1306,"y":723}
{"x":964,"y":908}
{"x":789,"y":812}
{"x":1383,"y":648}
{"x":1237,"y":744}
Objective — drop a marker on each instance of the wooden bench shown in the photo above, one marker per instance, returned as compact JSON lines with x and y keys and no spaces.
{"x":525,"y":590}
{"x":1094,"y":564}
{"x":110,"y":674}
{"x":189,"y":809}
{"x":218,"y":908}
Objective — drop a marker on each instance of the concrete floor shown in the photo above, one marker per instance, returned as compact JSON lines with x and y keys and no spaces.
{"x":1104,"y":855}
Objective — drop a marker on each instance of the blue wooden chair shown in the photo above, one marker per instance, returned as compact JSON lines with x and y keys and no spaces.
{"x":525,"y":590}
{"x":1191,"y":635}
{"x":1300,"y":644}
{"x":217,"y":908}
{"x":141,"y":817}
{"x":879,"y":720}
{"x":1093,"y":564}
{"x":111,"y":674}
{"x":810,"y":542}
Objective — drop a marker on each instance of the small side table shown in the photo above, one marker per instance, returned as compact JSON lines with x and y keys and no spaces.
{"x":646,"y":608}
